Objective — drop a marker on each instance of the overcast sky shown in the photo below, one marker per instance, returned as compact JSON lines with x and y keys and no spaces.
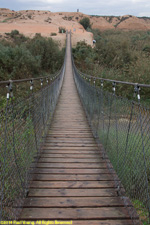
{"x":96,"y":7}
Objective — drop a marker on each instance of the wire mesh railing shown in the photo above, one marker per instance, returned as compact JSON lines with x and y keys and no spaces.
{"x":23,"y":126}
{"x":122,"y":126}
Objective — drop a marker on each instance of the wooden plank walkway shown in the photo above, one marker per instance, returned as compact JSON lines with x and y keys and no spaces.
{"x":71,"y":179}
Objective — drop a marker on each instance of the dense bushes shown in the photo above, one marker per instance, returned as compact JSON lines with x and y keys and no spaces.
{"x":85,"y":22}
{"x":47,"y":52}
{"x":84,"y":55}
{"x":21,"y":57}
{"x":62,"y":30}
{"x":96,"y":33}
{"x":17,"y":62}
{"x":16,"y":37}
{"x":117,"y":55}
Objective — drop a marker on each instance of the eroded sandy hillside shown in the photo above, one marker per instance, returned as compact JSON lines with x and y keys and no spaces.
{"x":30,"y":22}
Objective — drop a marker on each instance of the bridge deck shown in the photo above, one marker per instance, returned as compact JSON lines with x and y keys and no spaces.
{"x":72,"y":181}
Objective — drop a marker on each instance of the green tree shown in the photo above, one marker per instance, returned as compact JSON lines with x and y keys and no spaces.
{"x":47,"y":52}
{"x":85,"y":22}
{"x":22,"y":57}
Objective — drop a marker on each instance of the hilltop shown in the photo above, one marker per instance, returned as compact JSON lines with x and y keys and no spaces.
{"x":30,"y":22}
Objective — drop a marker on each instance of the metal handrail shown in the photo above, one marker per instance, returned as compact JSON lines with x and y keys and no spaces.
{"x":114,"y":81}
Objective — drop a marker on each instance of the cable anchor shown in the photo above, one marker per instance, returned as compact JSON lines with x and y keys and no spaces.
{"x":31,"y":85}
{"x":41,"y":82}
{"x":137,"y":92}
{"x":10,"y":89}
{"x":114,"y":87}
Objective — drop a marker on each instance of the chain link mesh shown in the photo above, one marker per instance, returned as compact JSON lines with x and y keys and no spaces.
{"x":23,"y":126}
{"x":122,"y":126}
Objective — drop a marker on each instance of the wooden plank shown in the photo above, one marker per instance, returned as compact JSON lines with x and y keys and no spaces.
{"x":72,"y":141}
{"x":70,"y":177}
{"x":79,"y":152}
{"x":70,"y":126}
{"x":74,"y":122}
{"x":73,"y":129}
{"x":70,"y":144}
{"x":70,"y":171}
{"x":70,"y":118}
{"x":83,"y":148}
{"x":69,"y":132}
{"x":58,"y":135}
{"x":71,"y":181}
{"x":74,"y":213}
{"x":63,"y":202}
{"x":72,"y":184}
{"x":70,"y":160}
{"x":70,"y":165}
{"x":77,"y":156}
{"x":71,"y":192}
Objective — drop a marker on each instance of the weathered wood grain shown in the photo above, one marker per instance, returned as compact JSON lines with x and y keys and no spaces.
{"x":71,"y":180}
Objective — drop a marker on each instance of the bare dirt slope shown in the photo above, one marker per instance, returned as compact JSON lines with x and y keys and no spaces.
{"x":30,"y":22}
{"x":126,"y":22}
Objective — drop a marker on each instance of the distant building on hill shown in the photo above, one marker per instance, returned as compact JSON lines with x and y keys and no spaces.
{"x":77,"y":10}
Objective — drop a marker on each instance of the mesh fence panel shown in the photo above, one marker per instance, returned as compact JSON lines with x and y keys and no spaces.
{"x":123,"y":128}
{"x":23,"y":126}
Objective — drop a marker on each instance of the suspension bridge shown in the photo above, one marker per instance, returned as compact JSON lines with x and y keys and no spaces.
{"x":73,"y":164}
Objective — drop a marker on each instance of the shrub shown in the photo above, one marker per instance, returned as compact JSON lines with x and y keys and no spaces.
{"x":47,"y":51}
{"x":30,"y":16}
{"x":118,"y":55}
{"x":70,"y":18}
{"x":96,"y":33}
{"x":62,"y":30}
{"x":85,"y":22}
{"x":84,"y":55}
{"x":53,"y":34}
{"x":17,"y":62}
{"x":22,"y":59}
{"x":14,"y":33}
{"x":17,"y":37}
{"x":146,"y":49}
